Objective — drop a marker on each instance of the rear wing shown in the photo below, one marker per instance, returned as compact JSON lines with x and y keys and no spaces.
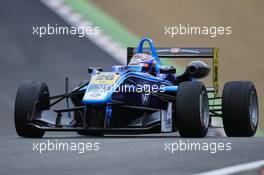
{"x":210,"y":53}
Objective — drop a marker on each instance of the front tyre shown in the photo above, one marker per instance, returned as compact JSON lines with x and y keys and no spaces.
{"x":28,"y":94}
{"x":240,"y":109}
{"x":192,"y":109}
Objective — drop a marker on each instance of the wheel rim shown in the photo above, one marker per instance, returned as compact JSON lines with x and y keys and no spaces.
{"x":253,"y":109}
{"x":204,"y":110}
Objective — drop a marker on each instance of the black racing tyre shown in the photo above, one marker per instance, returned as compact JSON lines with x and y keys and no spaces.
{"x":240,"y":109}
{"x":29,"y":92}
{"x":192,"y":109}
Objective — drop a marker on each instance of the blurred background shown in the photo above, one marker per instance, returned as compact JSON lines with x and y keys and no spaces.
{"x":25,"y":56}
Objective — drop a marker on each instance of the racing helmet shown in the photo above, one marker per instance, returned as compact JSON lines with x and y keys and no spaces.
{"x":144,"y":60}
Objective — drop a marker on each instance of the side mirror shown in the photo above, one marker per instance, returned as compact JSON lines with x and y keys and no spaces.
{"x":198,"y":69}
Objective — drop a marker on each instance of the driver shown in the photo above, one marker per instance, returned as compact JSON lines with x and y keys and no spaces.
{"x":144,"y":60}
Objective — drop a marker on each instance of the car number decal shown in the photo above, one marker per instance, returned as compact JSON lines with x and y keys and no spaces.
{"x":105,"y":78}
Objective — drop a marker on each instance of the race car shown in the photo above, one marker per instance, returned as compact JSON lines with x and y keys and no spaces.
{"x":141,"y":97}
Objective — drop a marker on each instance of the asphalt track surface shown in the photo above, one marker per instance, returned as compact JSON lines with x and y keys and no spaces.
{"x":24,"y":56}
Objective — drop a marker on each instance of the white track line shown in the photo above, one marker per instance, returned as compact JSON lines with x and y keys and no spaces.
{"x":235,"y":169}
{"x":73,"y":18}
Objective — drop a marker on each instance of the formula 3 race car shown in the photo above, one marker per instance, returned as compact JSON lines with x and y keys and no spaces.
{"x":143,"y":96}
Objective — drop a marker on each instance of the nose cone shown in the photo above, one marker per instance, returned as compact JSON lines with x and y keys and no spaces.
{"x":101,"y":87}
{"x":96,"y":97}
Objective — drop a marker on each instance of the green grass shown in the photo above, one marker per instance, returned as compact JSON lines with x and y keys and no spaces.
{"x":108,"y":24}
{"x":260,"y":132}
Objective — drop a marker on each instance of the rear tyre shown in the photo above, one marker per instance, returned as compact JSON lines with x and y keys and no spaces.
{"x":192,"y":109}
{"x":29,"y":92}
{"x":240,"y":109}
